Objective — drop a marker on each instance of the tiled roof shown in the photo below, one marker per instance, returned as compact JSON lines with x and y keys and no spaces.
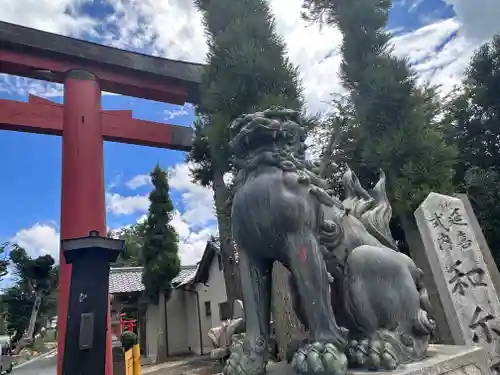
{"x":129,"y":279}
{"x":185,"y":275}
{"x":211,"y":250}
{"x":125,"y":280}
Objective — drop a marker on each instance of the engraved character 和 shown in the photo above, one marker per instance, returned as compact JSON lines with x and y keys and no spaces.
{"x":462,"y":280}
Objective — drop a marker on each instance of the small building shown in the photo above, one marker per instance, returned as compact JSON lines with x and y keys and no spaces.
{"x":198,"y":302}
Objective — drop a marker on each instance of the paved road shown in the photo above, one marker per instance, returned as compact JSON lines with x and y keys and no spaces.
{"x":43,"y":366}
{"x":195,"y":366}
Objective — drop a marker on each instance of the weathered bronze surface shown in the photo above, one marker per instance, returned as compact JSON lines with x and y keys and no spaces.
{"x":361,"y":300}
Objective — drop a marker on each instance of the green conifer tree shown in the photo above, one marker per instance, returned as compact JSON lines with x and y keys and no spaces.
{"x":161,"y":242}
{"x":475,"y":120}
{"x":395,"y":121}
{"x":247,"y":71}
{"x":160,"y":251}
{"x":398,"y":130}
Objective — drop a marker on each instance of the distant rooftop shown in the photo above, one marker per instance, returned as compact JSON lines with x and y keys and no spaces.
{"x":129,"y":279}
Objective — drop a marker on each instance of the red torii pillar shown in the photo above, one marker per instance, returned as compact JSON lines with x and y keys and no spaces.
{"x":83,"y":126}
{"x":83,"y":205}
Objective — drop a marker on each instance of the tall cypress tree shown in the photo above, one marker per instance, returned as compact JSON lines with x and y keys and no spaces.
{"x":160,"y":251}
{"x":475,"y":119}
{"x":247,"y":71}
{"x":397,"y":125}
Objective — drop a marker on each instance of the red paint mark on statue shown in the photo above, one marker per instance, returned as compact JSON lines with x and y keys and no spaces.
{"x":303,"y":254}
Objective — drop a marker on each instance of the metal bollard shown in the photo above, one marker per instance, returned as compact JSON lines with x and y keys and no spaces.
{"x":129,"y":362}
{"x":136,"y":353}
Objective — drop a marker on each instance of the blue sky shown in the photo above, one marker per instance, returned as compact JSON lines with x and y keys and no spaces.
{"x":431,"y":33}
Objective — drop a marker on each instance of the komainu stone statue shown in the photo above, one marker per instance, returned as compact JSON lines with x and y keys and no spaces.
{"x":222,"y":336}
{"x":363,"y":302}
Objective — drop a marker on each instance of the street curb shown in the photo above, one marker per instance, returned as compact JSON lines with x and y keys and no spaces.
{"x":42,"y":356}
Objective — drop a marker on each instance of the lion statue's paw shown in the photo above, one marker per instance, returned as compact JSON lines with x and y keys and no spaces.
{"x":319,"y":359}
{"x":243,"y":361}
{"x":372,"y":355}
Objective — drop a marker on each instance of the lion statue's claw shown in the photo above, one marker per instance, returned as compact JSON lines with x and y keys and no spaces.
{"x":319,"y":359}
{"x":372,"y":355}
{"x":243,"y":361}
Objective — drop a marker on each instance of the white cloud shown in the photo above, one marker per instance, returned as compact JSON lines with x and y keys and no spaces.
{"x":56,"y":16}
{"x":40,"y":239}
{"x":479,"y":18}
{"x":120,"y":205}
{"x":173,"y":29}
{"x":195,"y":224}
{"x":192,"y":242}
{"x":180,"y":225}
{"x":191,"y":248}
{"x":180,"y":111}
{"x":415,"y":5}
{"x":315,"y":50}
{"x":442,"y":66}
{"x":171,"y":114}
{"x":24,"y":86}
{"x":198,"y":200}
{"x":139,"y":181}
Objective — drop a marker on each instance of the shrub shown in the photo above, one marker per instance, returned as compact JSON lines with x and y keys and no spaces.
{"x":128,"y":339}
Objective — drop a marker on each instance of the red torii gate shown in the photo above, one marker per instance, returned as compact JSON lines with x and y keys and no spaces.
{"x":85,"y":69}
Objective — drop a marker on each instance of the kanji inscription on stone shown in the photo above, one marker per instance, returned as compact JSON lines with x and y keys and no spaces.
{"x":463,"y":280}
{"x":495,"y":368}
{"x":481,"y":322}
{"x":469,"y":300}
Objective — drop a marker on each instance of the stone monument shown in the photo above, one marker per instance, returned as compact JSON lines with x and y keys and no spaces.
{"x":222,"y":335}
{"x":481,"y":240}
{"x":468,"y":295}
{"x":363,"y":303}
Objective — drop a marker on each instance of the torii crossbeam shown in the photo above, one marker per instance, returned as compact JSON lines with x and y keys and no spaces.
{"x":86,"y":69}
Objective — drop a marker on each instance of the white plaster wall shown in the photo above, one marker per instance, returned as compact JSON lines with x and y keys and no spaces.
{"x":192,"y":329}
{"x":182,"y":316}
{"x":178,"y":342}
{"x":152,"y":331}
{"x":204,"y":294}
{"x":215,"y":293}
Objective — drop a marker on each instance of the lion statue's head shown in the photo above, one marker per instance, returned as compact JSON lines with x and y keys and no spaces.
{"x":270,"y":132}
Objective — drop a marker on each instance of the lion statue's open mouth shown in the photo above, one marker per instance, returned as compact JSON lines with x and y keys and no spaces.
{"x":267,"y":130}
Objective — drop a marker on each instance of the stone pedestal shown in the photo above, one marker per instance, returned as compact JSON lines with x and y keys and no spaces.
{"x":442,"y":359}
